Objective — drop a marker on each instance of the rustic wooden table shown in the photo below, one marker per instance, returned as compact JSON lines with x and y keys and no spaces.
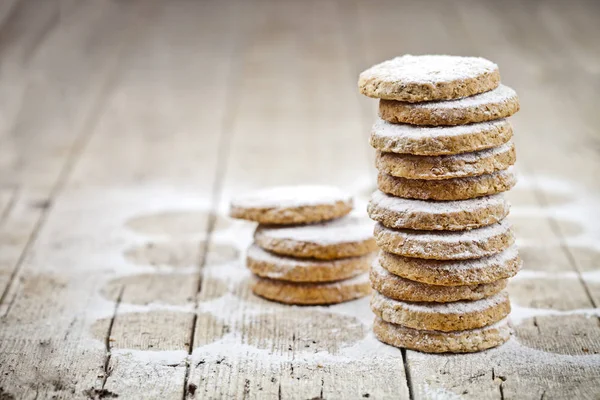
{"x":126,"y":126}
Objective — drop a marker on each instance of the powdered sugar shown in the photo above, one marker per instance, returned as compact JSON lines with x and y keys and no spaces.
{"x":484,"y":263}
{"x":403,"y":206}
{"x":291,"y":196}
{"x":349,"y":229}
{"x":502,"y":94}
{"x":379,"y":301}
{"x":385,"y":129}
{"x":429,"y":69}
{"x":479,"y":235}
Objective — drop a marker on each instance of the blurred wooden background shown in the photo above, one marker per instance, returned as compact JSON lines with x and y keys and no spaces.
{"x":125,"y":127}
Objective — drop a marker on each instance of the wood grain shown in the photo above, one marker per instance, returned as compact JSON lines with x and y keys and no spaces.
{"x":126,"y":127}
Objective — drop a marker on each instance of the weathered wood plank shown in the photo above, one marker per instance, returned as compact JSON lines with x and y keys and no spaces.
{"x":258,"y":349}
{"x":68,"y":78}
{"x":189,"y":90}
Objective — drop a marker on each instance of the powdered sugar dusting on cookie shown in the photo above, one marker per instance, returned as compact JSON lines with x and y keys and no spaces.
{"x":379,"y":301}
{"x":502,"y":94}
{"x":386,"y":129}
{"x":406,"y":206}
{"x":291,"y":196}
{"x":425,"y":237}
{"x":429,"y":69}
{"x":349,"y":229}
{"x":456,"y":266}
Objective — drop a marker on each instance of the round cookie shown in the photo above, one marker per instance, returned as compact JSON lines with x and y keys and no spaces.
{"x":286,"y":205}
{"x":499,"y":103}
{"x":439,"y":140}
{"x":345,"y":237}
{"x":446,"y":167}
{"x":467,"y":341}
{"x":273,"y":266}
{"x":312,"y":293}
{"x":445,"y":245}
{"x":445,"y":317}
{"x":454,"y":272}
{"x":399,"y":213}
{"x":429,"y":77}
{"x":398,"y":288}
{"x":448,"y":189}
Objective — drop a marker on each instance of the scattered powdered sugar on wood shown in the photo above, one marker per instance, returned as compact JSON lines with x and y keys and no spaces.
{"x":380,"y":301}
{"x":386,"y":129}
{"x":501,"y":95}
{"x":291,"y":197}
{"x":410,"y":206}
{"x":350,"y":229}
{"x":429,"y":69}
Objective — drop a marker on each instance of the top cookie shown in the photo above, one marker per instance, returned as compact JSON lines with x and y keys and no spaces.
{"x":287,"y":205}
{"x":429,"y":77}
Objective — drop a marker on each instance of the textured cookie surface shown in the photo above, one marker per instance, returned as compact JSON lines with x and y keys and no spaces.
{"x":445,"y":245}
{"x":312,"y":293}
{"x":273,"y":266}
{"x":439,"y":140}
{"x":398,"y":288}
{"x":345,"y":237}
{"x":445,"y":167}
{"x":454,"y":272}
{"x":448,"y":189}
{"x":429,"y":77}
{"x":499,"y":103}
{"x":399,"y":213}
{"x":466,"y":341}
{"x":446,"y":317}
{"x":286,"y":205}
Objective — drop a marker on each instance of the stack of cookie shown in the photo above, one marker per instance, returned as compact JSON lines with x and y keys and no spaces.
{"x":307,"y":248}
{"x":444,"y":155}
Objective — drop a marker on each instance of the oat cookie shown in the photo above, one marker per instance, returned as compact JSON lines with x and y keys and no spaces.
{"x":439,"y":140}
{"x":398,"y":288}
{"x":399,"y":213}
{"x":454,"y":272}
{"x":448,"y":189}
{"x":446,"y":167}
{"x":446,"y":317}
{"x":273,"y":266}
{"x":466,"y":341}
{"x":446,"y":245}
{"x":499,"y":103}
{"x":312,"y":293}
{"x":350,"y":236}
{"x":429,"y":77}
{"x":287,"y":205}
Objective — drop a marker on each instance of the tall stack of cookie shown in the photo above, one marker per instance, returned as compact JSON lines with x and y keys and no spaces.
{"x":444,"y":155}
{"x":307,"y":248}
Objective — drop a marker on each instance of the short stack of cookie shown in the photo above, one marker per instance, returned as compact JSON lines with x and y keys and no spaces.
{"x":307,"y":249}
{"x":444,"y":155}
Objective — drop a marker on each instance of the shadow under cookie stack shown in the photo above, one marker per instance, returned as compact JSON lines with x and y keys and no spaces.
{"x":444,"y":155}
{"x":307,"y":249}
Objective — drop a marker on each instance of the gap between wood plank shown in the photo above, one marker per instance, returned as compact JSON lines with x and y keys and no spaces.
{"x":107,"y":344}
{"x":554,"y":226}
{"x":223,"y":150}
{"x":82,"y":138}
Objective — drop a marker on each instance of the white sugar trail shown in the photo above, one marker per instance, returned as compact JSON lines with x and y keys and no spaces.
{"x":519,"y":313}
